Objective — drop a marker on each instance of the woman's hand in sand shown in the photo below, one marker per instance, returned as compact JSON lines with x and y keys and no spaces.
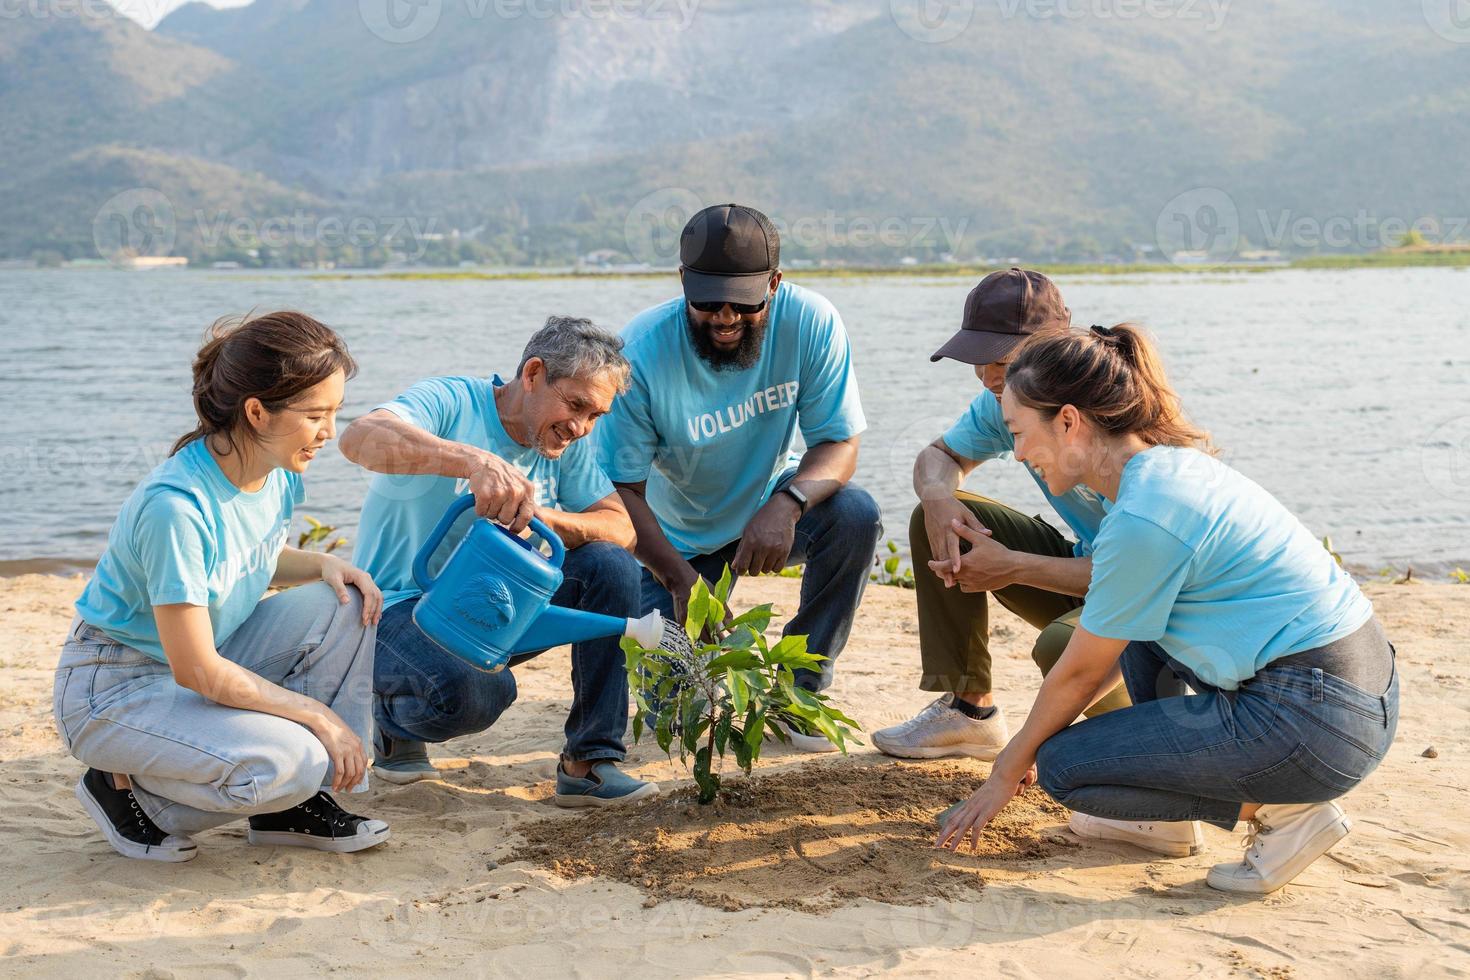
{"x":340,"y":574}
{"x":344,"y":748}
{"x":972,"y":816}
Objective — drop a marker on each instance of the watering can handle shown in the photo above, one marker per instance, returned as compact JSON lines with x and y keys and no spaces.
{"x":421,"y":574}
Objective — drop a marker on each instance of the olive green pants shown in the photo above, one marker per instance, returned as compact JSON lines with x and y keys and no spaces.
{"x":954,"y":626}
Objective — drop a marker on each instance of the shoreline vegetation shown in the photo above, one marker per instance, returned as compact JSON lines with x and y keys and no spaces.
{"x":1426,"y":257}
{"x":1397,"y":259}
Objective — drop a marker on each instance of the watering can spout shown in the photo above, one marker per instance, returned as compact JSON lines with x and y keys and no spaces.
{"x":558,"y":625}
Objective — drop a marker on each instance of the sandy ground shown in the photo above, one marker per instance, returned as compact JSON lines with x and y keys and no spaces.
{"x":445,"y":896}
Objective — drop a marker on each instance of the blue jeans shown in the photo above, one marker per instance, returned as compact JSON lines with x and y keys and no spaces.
{"x":425,"y":693}
{"x":195,"y":763}
{"x":836,"y":540}
{"x":1287,"y":735}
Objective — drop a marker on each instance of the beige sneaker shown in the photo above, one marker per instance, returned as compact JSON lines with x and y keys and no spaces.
{"x":1283,"y":839}
{"x":940,"y":731}
{"x":1171,"y":838}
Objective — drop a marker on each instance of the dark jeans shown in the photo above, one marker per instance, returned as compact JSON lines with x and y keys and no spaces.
{"x":425,"y":693}
{"x":1288,"y":735}
{"x":836,"y":540}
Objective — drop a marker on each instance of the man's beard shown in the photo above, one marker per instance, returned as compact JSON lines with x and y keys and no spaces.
{"x":746,"y":353}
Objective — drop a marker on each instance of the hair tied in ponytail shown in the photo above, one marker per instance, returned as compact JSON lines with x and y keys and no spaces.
{"x":1106,"y":333}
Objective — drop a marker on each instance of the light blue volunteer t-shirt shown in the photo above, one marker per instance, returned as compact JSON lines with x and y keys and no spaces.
{"x":981,"y":434}
{"x":712,"y":444}
{"x":189,"y":535}
{"x":1202,"y":560}
{"x":402,"y":510}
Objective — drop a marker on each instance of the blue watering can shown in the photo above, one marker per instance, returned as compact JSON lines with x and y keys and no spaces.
{"x":492,"y":598}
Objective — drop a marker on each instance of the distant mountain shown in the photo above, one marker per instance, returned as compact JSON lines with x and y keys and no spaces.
{"x":539,"y":138}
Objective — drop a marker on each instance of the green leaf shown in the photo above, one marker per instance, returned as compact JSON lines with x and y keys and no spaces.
{"x":786,"y":648}
{"x":739,"y":691}
{"x":755,"y":730}
{"x":637,"y":726}
{"x":722,"y":587}
{"x":722,"y":733}
{"x":833,"y":733}
{"x":715,"y":616}
{"x":891,"y":565}
{"x":698,"y":613}
{"x":742,"y":752}
{"x":740,"y":638}
{"x":757,"y":618}
{"x":663,"y":731}
{"x":693,"y":734}
{"x":738,"y":659}
{"x":893,"y":546}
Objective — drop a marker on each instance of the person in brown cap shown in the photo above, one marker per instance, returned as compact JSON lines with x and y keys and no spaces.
{"x":966,"y":547}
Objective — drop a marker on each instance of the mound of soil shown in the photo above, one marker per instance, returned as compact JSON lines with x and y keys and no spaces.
{"x":814,"y":837}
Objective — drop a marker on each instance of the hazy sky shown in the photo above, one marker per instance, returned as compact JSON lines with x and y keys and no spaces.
{"x":150,"y":12}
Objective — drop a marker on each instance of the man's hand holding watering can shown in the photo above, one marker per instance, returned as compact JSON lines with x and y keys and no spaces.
{"x":502,"y":493}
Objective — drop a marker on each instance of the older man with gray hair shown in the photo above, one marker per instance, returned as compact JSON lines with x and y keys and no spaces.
{"x":518,"y":447}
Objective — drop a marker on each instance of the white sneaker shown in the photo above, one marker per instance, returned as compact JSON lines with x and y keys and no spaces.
{"x":940,"y":731}
{"x":1283,"y":839}
{"x":1179,"y":838}
{"x":806,"y":743}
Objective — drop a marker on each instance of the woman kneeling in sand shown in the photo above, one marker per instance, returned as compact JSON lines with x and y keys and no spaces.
{"x":1199,"y":578}
{"x":194,"y":702}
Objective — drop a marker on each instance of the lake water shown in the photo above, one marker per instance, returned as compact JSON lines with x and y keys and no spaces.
{"x":1346,"y":393}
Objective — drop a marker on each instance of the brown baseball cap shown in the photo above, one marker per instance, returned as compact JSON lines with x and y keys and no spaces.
{"x":1001,"y":312}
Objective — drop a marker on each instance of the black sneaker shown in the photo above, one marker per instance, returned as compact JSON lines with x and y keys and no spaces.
{"x":318,"y":823}
{"x":127,"y":828}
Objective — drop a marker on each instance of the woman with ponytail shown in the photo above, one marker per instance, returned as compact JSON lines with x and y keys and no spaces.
{"x":1263,"y":687}
{"x":193,"y":699}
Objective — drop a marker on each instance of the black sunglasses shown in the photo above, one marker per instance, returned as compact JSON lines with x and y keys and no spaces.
{"x":744,"y":309}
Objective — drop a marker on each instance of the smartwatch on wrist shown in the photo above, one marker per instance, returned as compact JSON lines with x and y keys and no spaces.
{"x":796,"y":495}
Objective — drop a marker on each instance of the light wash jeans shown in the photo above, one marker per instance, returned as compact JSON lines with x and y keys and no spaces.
{"x":196,"y":764}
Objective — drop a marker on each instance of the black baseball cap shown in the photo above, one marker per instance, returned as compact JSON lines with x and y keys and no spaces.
{"x":728,"y":253}
{"x":1001,"y":312}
